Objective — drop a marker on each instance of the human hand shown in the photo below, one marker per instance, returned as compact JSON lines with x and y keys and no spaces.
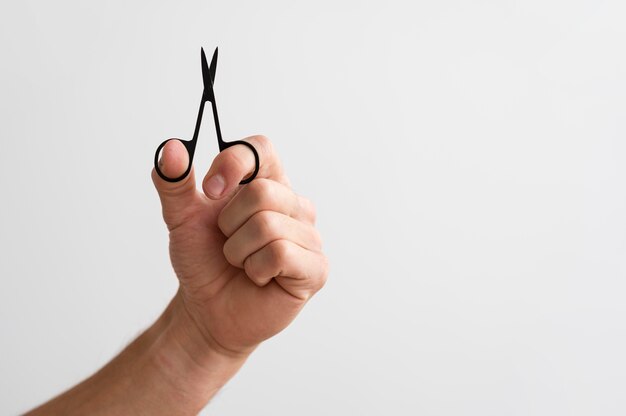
{"x":247,"y":257}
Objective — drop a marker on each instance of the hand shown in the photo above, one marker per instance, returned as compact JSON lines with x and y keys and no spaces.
{"x":247,"y":257}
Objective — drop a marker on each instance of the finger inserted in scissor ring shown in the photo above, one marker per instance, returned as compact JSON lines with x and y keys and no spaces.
{"x":257,"y":163}
{"x":173,"y":160}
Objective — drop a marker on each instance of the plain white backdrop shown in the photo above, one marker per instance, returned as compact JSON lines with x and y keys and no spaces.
{"x":466,"y":159}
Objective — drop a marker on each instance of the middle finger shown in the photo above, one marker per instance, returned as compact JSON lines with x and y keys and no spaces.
{"x":264,"y":195}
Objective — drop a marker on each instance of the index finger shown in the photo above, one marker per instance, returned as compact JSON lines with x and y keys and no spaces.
{"x":237,"y":162}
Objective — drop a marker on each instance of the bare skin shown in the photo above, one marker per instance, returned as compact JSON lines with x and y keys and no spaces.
{"x":247,"y":259}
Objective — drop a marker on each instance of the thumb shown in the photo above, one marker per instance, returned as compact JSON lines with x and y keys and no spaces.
{"x":176,"y":197}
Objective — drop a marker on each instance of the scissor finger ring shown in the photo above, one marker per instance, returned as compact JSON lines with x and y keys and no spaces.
{"x":208,"y":76}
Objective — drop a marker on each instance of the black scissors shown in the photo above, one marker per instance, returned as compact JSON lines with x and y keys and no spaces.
{"x":208,"y":76}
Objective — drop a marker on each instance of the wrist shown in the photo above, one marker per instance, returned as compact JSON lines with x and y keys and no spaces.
{"x":191,"y":365}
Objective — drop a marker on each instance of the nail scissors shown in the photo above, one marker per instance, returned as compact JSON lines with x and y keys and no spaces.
{"x":208,"y":76}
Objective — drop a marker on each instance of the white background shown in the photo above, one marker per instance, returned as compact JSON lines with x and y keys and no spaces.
{"x":466,"y":159}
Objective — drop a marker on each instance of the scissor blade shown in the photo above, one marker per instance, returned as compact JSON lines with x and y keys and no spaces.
{"x":206,"y":77}
{"x":213,"y":66}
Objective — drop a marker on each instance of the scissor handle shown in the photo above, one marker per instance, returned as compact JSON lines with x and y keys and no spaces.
{"x":226,"y":145}
{"x":190,"y":146}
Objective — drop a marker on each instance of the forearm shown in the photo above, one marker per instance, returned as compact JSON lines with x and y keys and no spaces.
{"x":169,"y":369}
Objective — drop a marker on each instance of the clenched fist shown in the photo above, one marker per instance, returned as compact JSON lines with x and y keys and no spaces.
{"x":247,"y":257}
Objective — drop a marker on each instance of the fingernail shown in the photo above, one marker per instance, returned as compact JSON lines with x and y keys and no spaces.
{"x":215,"y":185}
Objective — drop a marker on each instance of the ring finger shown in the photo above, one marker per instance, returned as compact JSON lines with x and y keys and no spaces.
{"x":263,"y":228}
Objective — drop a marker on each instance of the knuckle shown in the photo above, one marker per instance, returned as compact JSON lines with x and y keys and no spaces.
{"x":266,"y":223}
{"x":266,"y":150}
{"x":317,"y":238}
{"x":261,"y":193}
{"x":265,"y":144}
{"x":312,"y":211}
{"x":280,"y":250}
{"x":324,"y":270}
{"x":308,"y":208}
